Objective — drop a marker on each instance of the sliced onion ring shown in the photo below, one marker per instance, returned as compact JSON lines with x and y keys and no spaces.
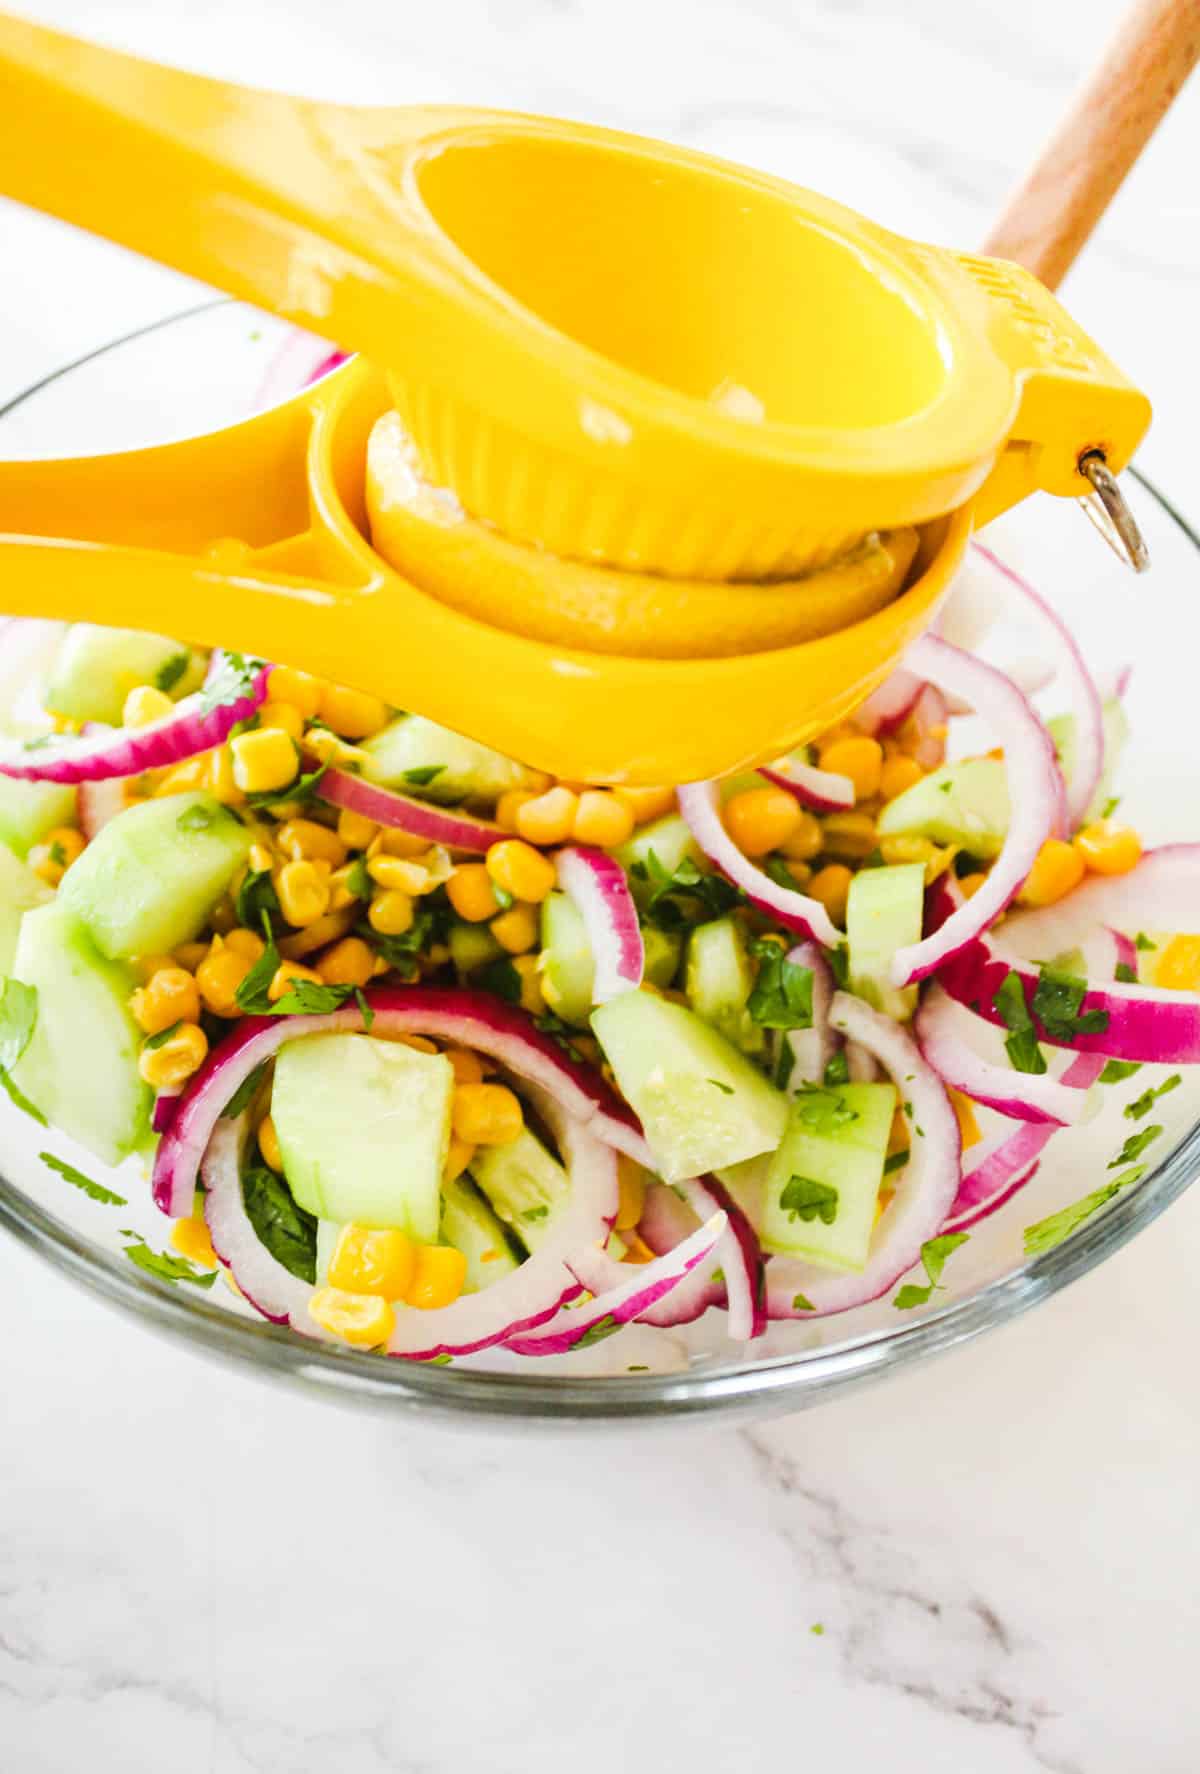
{"x":1035,"y":792}
{"x":944,"y":1033}
{"x":666,"y":1221}
{"x":890,"y":705}
{"x":700,"y":805}
{"x":596,"y":885}
{"x":824,"y":791}
{"x":923,"y":1197}
{"x":190,"y":728}
{"x":1086,"y":706}
{"x":468,"y":1018}
{"x":404,"y":813}
{"x":1145,"y":1023}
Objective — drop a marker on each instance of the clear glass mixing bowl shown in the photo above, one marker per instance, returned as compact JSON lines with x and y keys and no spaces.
{"x":217,"y":362}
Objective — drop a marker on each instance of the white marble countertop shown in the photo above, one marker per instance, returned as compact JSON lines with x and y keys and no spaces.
{"x":198,"y":1571}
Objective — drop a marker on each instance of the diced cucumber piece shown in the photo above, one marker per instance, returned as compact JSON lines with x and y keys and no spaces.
{"x":419,"y":757}
{"x":701,"y":1102}
{"x":469,"y":1224}
{"x":28,"y":810}
{"x":525,"y":1184}
{"x":472,"y":946}
{"x":1116,"y":737}
{"x":20,"y":891}
{"x":150,"y":878}
{"x":96,"y":668}
{"x":883,"y":914}
{"x":363,"y":1129}
{"x":965,"y":804}
{"x":670,"y":840}
{"x":328,"y":1232}
{"x":663,"y":951}
{"x":719,"y":981}
{"x":565,"y":962}
{"x":823,"y":1182}
{"x":81,"y":1065}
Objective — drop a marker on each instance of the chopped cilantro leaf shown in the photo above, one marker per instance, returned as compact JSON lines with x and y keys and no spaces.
{"x":358,"y":881}
{"x":255,"y":897}
{"x":596,"y":1333}
{"x":197,"y":818}
{"x":251,"y":995}
{"x":1110,"y":806}
{"x":817,"y":1629}
{"x":637,"y":1367}
{"x":533,"y":1214}
{"x":244,"y":1095}
{"x":58,"y":854}
{"x":364,"y":1009}
{"x":1022,"y":1045}
{"x":804,"y":1198}
{"x":1043,"y":1235}
{"x":560,"y":1032}
{"x":170,"y":672}
{"x":18,"y":1018}
{"x":440,"y":1360}
{"x":802,"y":1303}
{"x":785,"y":1062}
{"x":165,"y":1266}
{"x":777,"y":870}
{"x":422,"y":774}
{"x":1135,"y":1110}
{"x":934,"y":1255}
{"x":1142,"y":943}
{"x":282,"y":1225}
{"x":1135,"y":1145}
{"x":1117,"y":1070}
{"x":688,"y":895}
{"x":725,"y":1089}
{"x":152,"y":1042}
{"x":304,"y":997}
{"x":1056,"y":1005}
{"x":822,"y":1111}
{"x":895,"y":1161}
{"x":502,"y":979}
{"x":303,"y":789}
{"x":837,"y":1071}
{"x":504,"y":899}
{"x":232,"y":679}
{"x":69,"y":1174}
{"x":1125,"y":974}
{"x":839,"y":964}
{"x":783,"y":992}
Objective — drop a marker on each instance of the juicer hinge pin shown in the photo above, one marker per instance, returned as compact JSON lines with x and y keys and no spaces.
{"x":1106,"y":507}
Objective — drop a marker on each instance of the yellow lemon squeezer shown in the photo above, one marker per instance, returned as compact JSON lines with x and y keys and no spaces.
{"x":649,"y":468}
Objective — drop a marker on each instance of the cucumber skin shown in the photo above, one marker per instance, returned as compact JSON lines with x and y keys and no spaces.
{"x":28,"y":810}
{"x":519,"y":1180}
{"x":468,"y":770}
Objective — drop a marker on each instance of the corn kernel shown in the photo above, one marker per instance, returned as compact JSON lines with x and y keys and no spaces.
{"x":549,"y":818}
{"x":281,"y":717}
{"x":303,"y":895}
{"x":510,"y":804}
{"x":761,"y":819}
{"x":636,"y":1248}
{"x":355,"y":831}
{"x":532,"y":998}
{"x":471,"y":893}
{"x":169,"y":997}
{"x":517,"y":868}
{"x":487,"y":1114}
{"x":805,"y":841}
{"x":646,"y":804}
{"x":906,"y":847}
{"x":286,"y":974}
{"x":440,"y":1277}
{"x":245,"y":942}
{"x":223,"y":917}
{"x":297,"y":688}
{"x":306,"y":841}
{"x":352,"y":714}
{"x":516,"y":930}
{"x":969,"y":885}
{"x":358,"y":1319}
{"x":261,"y":858}
{"x":968,"y":1126}
{"x":329,"y":929}
{"x":898,"y":775}
{"x":801,"y":872}
{"x":466,"y":1065}
{"x":631,"y":1201}
{"x":1177,"y":969}
{"x":188,"y":955}
{"x":221,"y":780}
{"x":339,"y":754}
{"x":348,"y":963}
{"x":268,"y":1143}
{"x":831,"y":885}
{"x":1058,"y":871}
{"x":1109,"y":849}
{"x":601,"y":819}
{"x":390,"y":912}
{"x":181,"y":777}
{"x":412,"y":875}
{"x":191,"y":1239}
{"x":458,"y":1155}
{"x":145,"y":705}
{"x":850,"y":837}
{"x":366,"y":1261}
{"x":54,"y":855}
{"x":420,"y":1043}
{"x":168,"y":1066}
{"x":859,"y":758}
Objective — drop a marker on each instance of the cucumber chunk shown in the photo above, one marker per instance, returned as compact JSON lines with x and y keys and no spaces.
{"x":96,"y":668}
{"x":701,"y":1102}
{"x":883,"y":914}
{"x":1116,"y":737}
{"x":525,"y":1184}
{"x":150,"y":878}
{"x":823,"y":1182}
{"x":472,"y":946}
{"x":28,"y":810}
{"x":568,"y":970}
{"x":469,"y":1224}
{"x":81,"y":1065}
{"x":670,"y":840}
{"x":363,"y":1129}
{"x":419,"y":757}
{"x":719,"y":981}
{"x":965,"y":804}
{"x":20,"y":891}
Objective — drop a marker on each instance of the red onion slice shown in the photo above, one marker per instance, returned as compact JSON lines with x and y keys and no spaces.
{"x":927,"y":1187}
{"x":700,"y":805}
{"x":99,"y":802}
{"x":190,"y":728}
{"x":270,"y":1288}
{"x":1034,"y":787}
{"x":740,"y":1255}
{"x":469,"y":1019}
{"x":824,"y":791}
{"x":1088,"y":763}
{"x":813,"y":1048}
{"x":596,"y":885}
{"x":1145,"y":1023}
{"x":889,"y":706}
{"x":930,"y":714}
{"x":945,"y":1032}
{"x":640,"y":1288}
{"x":964,"y":1222}
{"x":166,"y":1105}
{"x":404,"y":813}
{"x":666,"y":1221}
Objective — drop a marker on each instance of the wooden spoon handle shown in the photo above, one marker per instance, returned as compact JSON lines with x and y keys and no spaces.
{"x":1049,"y":217}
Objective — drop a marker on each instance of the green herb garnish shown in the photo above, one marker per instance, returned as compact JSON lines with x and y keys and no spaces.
{"x":244,"y":1095}
{"x":783,"y":992}
{"x":837,"y":1071}
{"x":596,"y":1333}
{"x":1142,"y":942}
{"x":364,"y":1009}
{"x":802,"y":1303}
{"x":1116,"y":1070}
{"x":725,"y":1089}
{"x":822,"y":1111}
{"x":1043,"y":1235}
{"x":804,"y":1198}
{"x":163,"y":1265}
{"x":688,"y":895}
{"x":1021,"y":1045}
{"x":934,"y":1255}
{"x":257,"y":897}
{"x":282,"y":1225}
{"x":304,"y":997}
{"x":502,"y":979}
{"x":1125,"y":974}
{"x":170,"y":672}
{"x":422,"y":775}
{"x":1056,"y":1005}
{"x":1135,"y":1145}
{"x":18,"y":1019}
{"x":233,"y":680}
{"x":1136,"y":1110}
{"x":77,"y":1180}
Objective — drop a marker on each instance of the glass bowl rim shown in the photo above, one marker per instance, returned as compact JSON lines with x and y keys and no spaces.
{"x":777,"y":1383}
